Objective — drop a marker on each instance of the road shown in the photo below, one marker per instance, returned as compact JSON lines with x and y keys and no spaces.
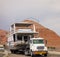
{"x":20,"y":55}
{"x":1,"y":55}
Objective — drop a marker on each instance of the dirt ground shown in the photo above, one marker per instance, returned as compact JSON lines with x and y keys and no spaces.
{"x":21,"y":55}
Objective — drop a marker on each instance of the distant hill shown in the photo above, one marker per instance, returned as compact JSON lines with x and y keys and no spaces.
{"x":53,"y":40}
{"x":3,"y":38}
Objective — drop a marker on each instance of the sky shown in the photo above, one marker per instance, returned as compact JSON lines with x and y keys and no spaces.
{"x":46,"y":12}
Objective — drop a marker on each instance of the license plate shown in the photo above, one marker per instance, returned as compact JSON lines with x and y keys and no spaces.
{"x":40,"y":52}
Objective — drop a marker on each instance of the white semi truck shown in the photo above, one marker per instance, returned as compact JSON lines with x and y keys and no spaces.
{"x":24,"y":38}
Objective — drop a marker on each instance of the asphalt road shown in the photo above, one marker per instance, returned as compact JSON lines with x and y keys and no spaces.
{"x":20,"y":55}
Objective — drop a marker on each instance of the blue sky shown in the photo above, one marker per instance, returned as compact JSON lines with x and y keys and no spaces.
{"x":46,"y":12}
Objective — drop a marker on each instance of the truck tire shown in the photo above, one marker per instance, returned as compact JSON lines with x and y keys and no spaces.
{"x":32,"y":55}
{"x":26,"y":53}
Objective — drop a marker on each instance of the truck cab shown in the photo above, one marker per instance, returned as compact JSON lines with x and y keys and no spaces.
{"x":37,"y":47}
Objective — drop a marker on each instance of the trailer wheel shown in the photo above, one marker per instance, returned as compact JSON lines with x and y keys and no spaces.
{"x":26,"y":53}
{"x":13,"y":51}
{"x":45,"y":55}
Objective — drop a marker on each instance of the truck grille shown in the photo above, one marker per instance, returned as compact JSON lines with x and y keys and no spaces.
{"x":40,"y":47}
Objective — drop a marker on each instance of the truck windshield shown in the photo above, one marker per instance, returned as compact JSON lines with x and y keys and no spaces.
{"x":38,"y":41}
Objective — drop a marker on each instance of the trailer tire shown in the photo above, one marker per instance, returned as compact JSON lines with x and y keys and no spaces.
{"x":13,"y":51}
{"x":26,"y":53}
{"x":45,"y":55}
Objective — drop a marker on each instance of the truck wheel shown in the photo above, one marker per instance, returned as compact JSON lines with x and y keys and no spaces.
{"x":26,"y":52}
{"x":32,"y":55}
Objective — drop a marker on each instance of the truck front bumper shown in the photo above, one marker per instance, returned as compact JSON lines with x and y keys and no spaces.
{"x":40,"y":52}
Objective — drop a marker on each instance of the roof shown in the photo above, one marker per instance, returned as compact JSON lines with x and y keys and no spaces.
{"x":22,"y":24}
{"x":26,"y":32}
{"x":37,"y":38}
